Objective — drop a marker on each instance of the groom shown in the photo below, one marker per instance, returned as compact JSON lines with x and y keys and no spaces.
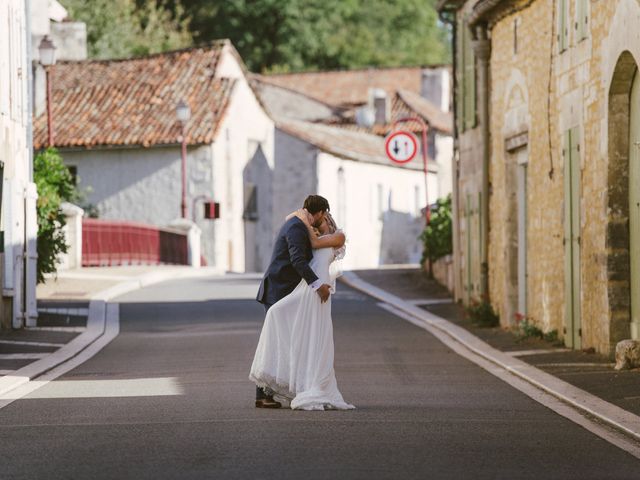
{"x":289,"y":264}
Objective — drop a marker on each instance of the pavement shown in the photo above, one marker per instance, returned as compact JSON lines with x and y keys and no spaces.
{"x":591,"y":375}
{"x":72,"y":316}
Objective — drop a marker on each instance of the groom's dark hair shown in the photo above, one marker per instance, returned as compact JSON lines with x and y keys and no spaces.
{"x":315,"y":204}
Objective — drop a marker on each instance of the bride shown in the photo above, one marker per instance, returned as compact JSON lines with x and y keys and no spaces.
{"x":294,"y":357}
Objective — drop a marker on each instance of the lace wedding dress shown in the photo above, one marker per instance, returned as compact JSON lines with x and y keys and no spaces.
{"x":294,"y":357}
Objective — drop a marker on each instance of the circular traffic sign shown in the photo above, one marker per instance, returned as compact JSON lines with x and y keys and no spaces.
{"x":401,"y":146}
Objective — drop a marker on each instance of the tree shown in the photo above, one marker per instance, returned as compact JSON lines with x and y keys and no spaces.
{"x":125,"y":28}
{"x":289,"y":35}
{"x":55,"y":185}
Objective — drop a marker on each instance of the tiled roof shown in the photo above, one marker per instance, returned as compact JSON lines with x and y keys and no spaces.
{"x":133,"y":101}
{"x":342,"y":142}
{"x":285,"y":102}
{"x":404,"y":104}
{"x":350,"y":87}
{"x":410,"y":103}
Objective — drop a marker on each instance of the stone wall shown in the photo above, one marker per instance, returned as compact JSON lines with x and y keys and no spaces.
{"x":544,"y":92}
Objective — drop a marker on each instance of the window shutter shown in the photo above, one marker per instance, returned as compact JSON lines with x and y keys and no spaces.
{"x":460,"y":77}
{"x":469,"y":82}
{"x":582,"y":19}
{"x":563,"y":28}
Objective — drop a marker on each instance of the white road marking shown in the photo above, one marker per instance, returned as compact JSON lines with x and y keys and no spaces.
{"x":58,"y":329}
{"x":66,"y":311}
{"x":432,"y":301}
{"x":23,"y":356}
{"x":542,"y":351}
{"x":136,"y":387}
{"x":32,"y":344}
{"x":111,"y":330}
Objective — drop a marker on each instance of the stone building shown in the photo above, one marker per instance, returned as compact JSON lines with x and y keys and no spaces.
{"x":116,"y":127}
{"x":18,"y":199}
{"x":547,"y":198}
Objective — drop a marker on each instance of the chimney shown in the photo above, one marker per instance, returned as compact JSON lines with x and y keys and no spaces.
{"x":435,"y":87}
{"x":380,"y":106}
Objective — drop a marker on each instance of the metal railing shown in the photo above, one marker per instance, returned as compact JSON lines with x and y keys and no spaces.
{"x":109,"y":243}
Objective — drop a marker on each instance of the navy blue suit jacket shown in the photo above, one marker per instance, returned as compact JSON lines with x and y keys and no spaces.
{"x":289,"y":263}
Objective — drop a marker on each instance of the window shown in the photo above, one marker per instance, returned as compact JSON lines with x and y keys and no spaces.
{"x":380,"y":201}
{"x":582,"y":19}
{"x":250,"y":202}
{"x":73,"y":170}
{"x":466,"y":80}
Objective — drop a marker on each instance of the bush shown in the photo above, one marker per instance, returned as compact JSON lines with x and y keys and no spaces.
{"x":482,"y":314}
{"x":527,"y":329}
{"x":55,"y":185}
{"x":437,"y":236}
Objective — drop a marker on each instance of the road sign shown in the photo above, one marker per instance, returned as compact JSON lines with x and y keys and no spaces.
{"x":401,"y":146}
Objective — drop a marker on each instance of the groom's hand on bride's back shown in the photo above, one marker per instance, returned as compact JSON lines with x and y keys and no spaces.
{"x":324,"y":292}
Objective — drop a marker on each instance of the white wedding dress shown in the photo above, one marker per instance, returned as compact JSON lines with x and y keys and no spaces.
{"x":294,"y":357}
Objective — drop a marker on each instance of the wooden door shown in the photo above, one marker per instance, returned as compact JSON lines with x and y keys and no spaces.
{"x":572,"y":322}
{"x":634,"y":206}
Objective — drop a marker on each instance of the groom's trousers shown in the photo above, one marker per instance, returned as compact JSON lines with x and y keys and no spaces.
{"x":262,"y":393}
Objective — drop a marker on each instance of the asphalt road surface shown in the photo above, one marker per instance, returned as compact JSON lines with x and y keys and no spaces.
{"x":169,"y":398}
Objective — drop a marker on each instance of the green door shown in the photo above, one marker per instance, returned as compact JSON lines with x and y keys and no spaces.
{"x":572,"y":325}
{"x":634,"y":206}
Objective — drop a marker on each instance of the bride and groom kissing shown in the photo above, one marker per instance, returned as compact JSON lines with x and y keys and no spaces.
{"x":294,"y":357}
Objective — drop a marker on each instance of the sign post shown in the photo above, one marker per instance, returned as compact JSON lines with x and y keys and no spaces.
{"x":401,"y":147}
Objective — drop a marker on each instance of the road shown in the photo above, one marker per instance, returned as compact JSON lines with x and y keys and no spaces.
{"x":169,"y":398}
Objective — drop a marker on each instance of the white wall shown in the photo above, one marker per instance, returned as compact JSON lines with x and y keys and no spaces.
{"x":245,"y":127}
{"x":444,"y":158}
{"x":378,"y":208}
{"x":145,"y":184}
{"x":14,"y":152}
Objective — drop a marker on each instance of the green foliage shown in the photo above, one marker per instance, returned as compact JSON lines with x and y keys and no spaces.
{"x":125,"y":28}
{"x":437,"y":237}
{"x":482,"y":314}
{"x":527,"y":329}
{"x":55,"y":185}
{"x":291,"y":35}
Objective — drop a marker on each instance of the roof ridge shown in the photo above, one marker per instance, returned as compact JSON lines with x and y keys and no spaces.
{"x":203,"y":46}
{"x":358,"y":69}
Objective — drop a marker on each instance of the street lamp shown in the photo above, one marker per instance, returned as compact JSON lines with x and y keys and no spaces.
{"x":183,"y":113}
{"x":47,"y":51}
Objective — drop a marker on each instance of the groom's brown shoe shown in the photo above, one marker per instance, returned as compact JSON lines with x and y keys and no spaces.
{"x":267,"y":402}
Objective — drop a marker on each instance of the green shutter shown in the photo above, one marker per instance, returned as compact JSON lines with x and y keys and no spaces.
{"x":571,"y":156}
{"x":469,"y":82}
{"x":576,"y":234}
{"x":582,"y":19}
{"x":460,"y":76}
{"x":634,"y":207}
{"x":563,"y":27}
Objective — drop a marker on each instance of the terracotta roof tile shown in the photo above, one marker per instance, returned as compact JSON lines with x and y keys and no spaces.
{"x":132,"y":102}
{"x":350,"y":87}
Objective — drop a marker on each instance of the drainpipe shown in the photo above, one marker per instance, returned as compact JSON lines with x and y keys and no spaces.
{"x":482,"y":51}
{"x":449,"y":16}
